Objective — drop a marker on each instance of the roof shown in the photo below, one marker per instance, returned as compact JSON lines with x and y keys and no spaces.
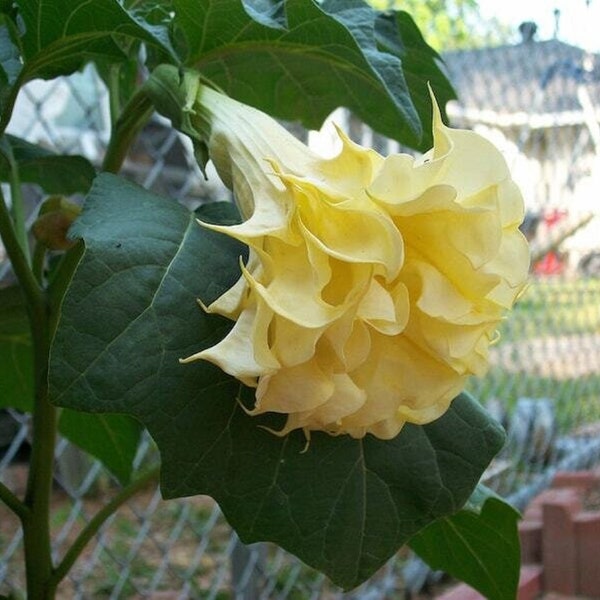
{"x":531,"y":78}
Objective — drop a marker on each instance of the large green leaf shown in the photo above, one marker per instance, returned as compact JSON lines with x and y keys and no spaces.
{"x":344,"y":506}
{"x":299,"y":60}
{"x":122,"y":77}
{"x":112,"y":439}
{"x":61,"y":34}
{"x":16,"y":352}
{"x":398,"y":34}
{"x":56,"y":174}
{"x":395,"y":33}
{"x":479,"y":545}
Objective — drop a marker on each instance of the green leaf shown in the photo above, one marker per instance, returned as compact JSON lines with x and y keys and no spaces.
{"x":56,"y":174}
{"x":155,"y":12}
{"x":344,"y":506}
{"x":112,"y":439}
{"x":302,"y":62}
{"x":61,"y":34}
{"x":16,"y":352}
{"x":122,"y":77}
{"x":478,"y":545}
{"x":139,"y":250}
{"x":158,"y":15}
{"x":398,"y":34}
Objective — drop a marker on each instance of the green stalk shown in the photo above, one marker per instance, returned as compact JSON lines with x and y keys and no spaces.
{"x":88,"y":532}
{"x":36,"y":527}
{"x":17,"y":206}
{"x":38,"y":260}
{"x":20,"y":264}
{"x":13,"y":503}
{"x":36,"y":515}
{"x":135,"y":115}
{"x":114,"y":100}
{"x":18,"y":213}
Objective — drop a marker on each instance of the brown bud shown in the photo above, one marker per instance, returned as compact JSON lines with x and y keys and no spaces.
{"x":53,"y":222}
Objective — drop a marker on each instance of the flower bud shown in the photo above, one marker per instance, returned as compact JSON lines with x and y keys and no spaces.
{"x":52,"y":225}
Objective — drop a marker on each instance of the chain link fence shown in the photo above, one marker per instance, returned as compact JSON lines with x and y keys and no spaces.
{"x":539,"y":102}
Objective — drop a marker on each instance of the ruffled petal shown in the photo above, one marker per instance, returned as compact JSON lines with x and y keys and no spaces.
{"x":374,"y":286}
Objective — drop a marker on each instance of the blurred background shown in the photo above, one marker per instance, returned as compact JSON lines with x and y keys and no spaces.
{"x":527,"y":77}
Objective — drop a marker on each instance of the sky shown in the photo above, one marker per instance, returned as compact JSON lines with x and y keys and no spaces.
{"x":579,"y":24}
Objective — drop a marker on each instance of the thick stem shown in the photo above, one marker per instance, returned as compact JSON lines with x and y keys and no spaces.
{"x":36,"y":527}
{"x":36,"y":515}
{"x":88,"y":532}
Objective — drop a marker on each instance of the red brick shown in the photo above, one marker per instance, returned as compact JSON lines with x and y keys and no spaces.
{"x":530,"y":582}
{"x":581,"y":480}
{"x":530,"y":534}
{"x":587,"y":532}
{"x":534,"y":511}
{"x":559,"y":549}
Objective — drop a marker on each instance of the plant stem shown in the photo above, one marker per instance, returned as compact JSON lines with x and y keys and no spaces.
{"x":37,"y":263}
{"x":36,"y":517}
{"x":31,"y":289}
{"x":114,"y":95}
{"x":16,"y":198}
{"x":13,"y":503}
{"x":36,"y":526}
{"x":135,"y":115}
{"x":97,"y":521}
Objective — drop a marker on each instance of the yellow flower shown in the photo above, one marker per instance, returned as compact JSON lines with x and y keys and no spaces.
{"x":374,"y":285}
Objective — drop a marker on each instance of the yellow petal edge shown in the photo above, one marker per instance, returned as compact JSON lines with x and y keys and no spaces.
{"x":374,"y":285}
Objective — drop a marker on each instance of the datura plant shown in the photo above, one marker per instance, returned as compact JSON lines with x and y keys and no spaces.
{"x":374,"y":286}
{"x":317,"y":391}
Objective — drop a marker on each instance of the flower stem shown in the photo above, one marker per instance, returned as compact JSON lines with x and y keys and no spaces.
{"x":113,"y":93}
{"x":134,"y":116}
{"x":97,"y":521}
